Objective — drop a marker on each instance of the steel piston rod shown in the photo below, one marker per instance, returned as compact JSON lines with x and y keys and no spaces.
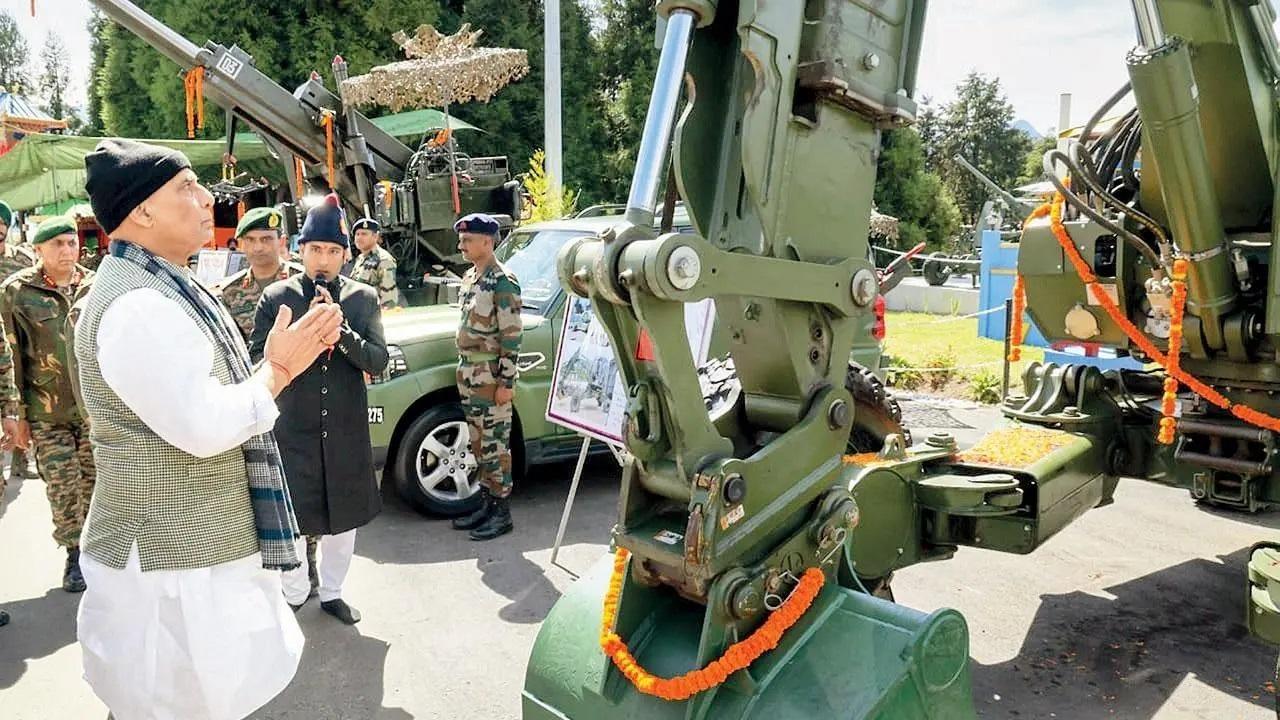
{"x":660,"y":120}
{"x":1150,"y":29}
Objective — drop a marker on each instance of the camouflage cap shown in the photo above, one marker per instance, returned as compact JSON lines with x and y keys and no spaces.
{"x":478,"y":223}
{"x":260,"y":218}
{"x":6,"y":213}
{"x":52,"y":228}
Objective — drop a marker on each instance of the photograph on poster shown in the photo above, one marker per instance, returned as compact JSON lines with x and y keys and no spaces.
{"x":587,"y":392}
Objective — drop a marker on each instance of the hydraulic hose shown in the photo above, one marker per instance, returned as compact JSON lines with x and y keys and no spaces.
{"x":1104,"y":108}
{"x":1090,"y":178}
{"x":1078,"y":203}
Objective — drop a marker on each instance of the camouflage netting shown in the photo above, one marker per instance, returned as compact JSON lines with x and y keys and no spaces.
{"x":884,"y":226}
{"x":442,"y":70}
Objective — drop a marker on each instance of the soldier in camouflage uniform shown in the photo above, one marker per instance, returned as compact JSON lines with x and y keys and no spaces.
{"x":261,"y":236}
{"x":8,"y":397}
{"x":34,"y":304}
{"x":488,"y":343}
{"x":14,"y":256}
{"x":374,"y":265}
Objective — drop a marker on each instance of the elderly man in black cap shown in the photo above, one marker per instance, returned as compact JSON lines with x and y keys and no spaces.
{"x":191,"y":520}
{"x":324,"y":431}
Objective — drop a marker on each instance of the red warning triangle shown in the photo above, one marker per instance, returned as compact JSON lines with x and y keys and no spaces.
{"x":644,"y":347}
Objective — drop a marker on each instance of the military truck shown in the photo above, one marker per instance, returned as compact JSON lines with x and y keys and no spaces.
{"x":415,"y":418}
{"x":325,"y":145}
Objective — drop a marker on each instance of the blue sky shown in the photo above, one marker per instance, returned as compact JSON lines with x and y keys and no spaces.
{"x":1038,"y":48}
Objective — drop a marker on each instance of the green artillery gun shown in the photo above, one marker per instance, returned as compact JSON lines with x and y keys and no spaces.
{"x":733,"y":510}
{"x":410,"y":191}
{"x":1002,"y":211}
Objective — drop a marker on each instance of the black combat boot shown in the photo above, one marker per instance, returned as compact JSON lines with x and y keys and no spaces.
{"x":72,"y":580}
{"x":477,"y":518}
{"x":498,"y":523}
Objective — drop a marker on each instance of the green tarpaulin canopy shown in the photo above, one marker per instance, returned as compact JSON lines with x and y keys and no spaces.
{"x":44,"y":169}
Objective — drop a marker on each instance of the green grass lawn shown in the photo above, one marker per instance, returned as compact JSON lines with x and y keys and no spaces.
{"x":919,"y":340}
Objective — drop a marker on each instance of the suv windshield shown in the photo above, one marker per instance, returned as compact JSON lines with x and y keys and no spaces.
{"x":531,"y":256}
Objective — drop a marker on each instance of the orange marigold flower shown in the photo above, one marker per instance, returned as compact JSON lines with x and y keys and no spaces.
{"x":737,"y":657}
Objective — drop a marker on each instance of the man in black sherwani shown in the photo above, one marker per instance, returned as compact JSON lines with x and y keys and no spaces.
{"x":323,"y":430}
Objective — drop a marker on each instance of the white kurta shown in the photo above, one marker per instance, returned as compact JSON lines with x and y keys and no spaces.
{"x":211,"y":643}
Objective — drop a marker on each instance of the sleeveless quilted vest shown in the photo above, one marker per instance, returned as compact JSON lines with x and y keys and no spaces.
{"x":183,"y":511}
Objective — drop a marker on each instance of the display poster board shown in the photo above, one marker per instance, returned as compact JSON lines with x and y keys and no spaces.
{"x":214,"y":265}
{"x":587,"y":393}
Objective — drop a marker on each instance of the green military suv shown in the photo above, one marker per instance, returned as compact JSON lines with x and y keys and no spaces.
{"x":419,"y":435}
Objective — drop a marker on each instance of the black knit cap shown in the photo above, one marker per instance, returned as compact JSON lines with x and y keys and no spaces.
{"x":120,"y":174}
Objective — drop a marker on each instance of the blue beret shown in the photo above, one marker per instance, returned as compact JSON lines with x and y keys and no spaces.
{"x":478,"y":223}
{"x":366,"y":223}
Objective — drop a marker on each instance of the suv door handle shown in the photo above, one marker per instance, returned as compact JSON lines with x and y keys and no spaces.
{"x":530,"y":361}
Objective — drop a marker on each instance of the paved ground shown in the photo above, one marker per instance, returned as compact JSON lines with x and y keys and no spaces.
{"x":1132,"y":612}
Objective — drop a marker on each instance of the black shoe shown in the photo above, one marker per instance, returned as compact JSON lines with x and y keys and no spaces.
{"x":498,"y":523}
{"x":477,"y":518}
{"x":72,"y":580}
{"x":341,"y":610}
{"x":4,"y":618}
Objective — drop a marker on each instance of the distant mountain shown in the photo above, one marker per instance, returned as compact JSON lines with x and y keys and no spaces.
{"x":1027,"y":128}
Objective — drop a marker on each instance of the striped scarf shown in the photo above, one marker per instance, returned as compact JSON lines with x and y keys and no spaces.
{"x":272,"y":507}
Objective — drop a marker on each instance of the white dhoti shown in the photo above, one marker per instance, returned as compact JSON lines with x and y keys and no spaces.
{"x":333,"y":556}
{"x":211,"y":643}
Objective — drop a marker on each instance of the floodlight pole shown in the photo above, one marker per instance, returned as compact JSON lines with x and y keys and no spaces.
{"x":551,"y":97}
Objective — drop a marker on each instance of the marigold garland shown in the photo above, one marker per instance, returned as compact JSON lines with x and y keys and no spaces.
{"x":738,"y":656}
{"x":1020,"y":299}
{"x":299,"y":172}
{"x":1015,"y":323}
{"x":1169,"y":401}
{"x":326,"y":119}
{"x":1199,"y":387}
{"x":194,"y":83}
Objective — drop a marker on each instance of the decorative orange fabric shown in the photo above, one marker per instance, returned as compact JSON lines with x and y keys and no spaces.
{"x":1175,"y":372}
{"x":738,"y":656}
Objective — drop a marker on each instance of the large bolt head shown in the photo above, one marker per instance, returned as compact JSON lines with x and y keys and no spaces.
{"x":684,"y":267}
{"x":838,"y":415}
{"x":865,"y":287}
